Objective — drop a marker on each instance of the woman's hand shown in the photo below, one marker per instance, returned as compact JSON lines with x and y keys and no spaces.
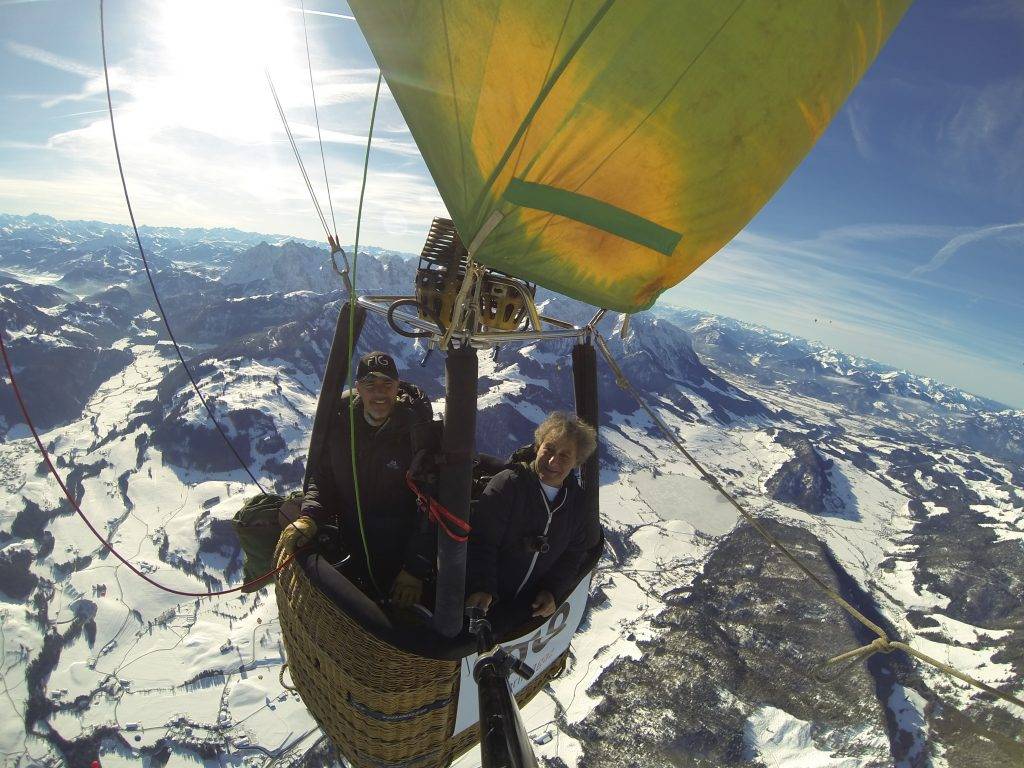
{"x":480,"y":600}
{"x":544,"y":604}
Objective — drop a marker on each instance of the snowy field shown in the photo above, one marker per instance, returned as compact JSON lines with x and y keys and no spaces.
{"x":204,"y":672}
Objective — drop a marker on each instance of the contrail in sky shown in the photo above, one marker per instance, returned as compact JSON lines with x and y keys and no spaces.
{"x":48,"y":59}
{"x":945,"y":253}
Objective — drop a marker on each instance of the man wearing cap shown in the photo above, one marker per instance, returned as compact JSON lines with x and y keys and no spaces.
{"x":386,"y":524}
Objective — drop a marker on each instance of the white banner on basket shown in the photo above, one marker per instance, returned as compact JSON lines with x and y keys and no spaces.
{"x":539,"y":649}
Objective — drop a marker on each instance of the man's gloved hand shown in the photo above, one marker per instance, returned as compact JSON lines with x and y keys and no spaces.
{"x":480,"y":600}
{"x":544,"y":604}
{"x":299,"y":533}
{"x":406,"y":590}
{"x":291,"y":510}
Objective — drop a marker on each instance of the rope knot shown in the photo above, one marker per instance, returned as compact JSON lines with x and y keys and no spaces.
{"x":881,"y":645}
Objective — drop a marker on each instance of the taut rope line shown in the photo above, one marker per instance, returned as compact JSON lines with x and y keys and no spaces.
{"x":145,"y":263}
{"x":351,"y":339}
{"x":880,"y":645}
{"x":316,"y":116}
{"x":298,"y":157}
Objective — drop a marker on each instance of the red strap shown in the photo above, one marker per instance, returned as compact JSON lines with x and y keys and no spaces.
{"x":438,"y":514}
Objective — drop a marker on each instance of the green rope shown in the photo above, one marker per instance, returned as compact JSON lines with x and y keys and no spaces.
{"x":352,"y":343}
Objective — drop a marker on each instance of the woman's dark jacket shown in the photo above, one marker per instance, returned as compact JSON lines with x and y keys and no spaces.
{"x":507,"y":522}
{"x":398,"y":535}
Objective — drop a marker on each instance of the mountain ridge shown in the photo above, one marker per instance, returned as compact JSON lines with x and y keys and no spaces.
{"x":884,"y":491}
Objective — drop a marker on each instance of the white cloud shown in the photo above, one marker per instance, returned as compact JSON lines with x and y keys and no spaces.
{"x":380,"y":143}
{"x":983,"y":115}
{"x":201,"y":140}
{"x":883,"y":232}
{"x":854,"y":112}
{"x":93,"y":85}
{"x":23,"y":145}
{"x":308,"y":12}
{"x":983,"y":138}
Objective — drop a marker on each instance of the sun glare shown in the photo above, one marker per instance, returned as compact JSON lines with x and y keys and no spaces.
{"x":211,"y":56}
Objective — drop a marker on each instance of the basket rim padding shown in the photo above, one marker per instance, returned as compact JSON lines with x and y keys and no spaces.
{"x":508,"y":620}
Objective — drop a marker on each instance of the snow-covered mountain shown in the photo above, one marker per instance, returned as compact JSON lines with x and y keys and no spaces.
{"x":702,"y":647}
{"x":772,"y":358}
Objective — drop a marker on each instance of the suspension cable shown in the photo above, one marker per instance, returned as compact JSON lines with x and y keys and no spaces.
{"x":351,"y":339}
{"x":145,"y":263}
{"x":882,"y":644}
{"x":88,"y":523}
{"x":298,"y":157}
{"x":316,"y":117}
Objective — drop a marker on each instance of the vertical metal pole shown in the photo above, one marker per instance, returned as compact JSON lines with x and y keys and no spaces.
{"x":584,"y":379}
{"x":335,"y":373}
{"x":455,"y":482}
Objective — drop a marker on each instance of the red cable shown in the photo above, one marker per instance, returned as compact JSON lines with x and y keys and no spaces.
{"x":439,"y":514}
{"x":89,"y":525}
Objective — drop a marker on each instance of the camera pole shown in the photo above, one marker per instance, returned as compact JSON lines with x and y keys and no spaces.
{"x":503,"y":739}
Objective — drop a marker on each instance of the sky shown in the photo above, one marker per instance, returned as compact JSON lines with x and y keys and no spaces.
{"x":899,"y":238}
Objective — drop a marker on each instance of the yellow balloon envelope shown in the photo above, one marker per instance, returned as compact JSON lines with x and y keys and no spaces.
{"x":623,"y":142}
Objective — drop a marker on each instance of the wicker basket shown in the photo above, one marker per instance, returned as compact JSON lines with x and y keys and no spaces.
{"x":381,"y":706}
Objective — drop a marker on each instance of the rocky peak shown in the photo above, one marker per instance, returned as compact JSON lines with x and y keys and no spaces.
{"x":803,"y":480}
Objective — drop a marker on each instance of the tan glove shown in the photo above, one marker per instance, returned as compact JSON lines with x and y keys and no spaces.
{"x":298,"y":534}
{"x":406,"y":590}
{"x":291,"y":510}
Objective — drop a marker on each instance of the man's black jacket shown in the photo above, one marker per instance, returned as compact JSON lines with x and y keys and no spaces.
{"x":397,"y":535}
{"x":506,"y":523}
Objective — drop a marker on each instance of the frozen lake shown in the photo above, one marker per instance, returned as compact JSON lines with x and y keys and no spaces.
{"x":690,"y":499}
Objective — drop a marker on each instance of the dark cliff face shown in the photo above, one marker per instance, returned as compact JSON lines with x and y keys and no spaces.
{"x":659,"y":358}
{"x":233,"y":318}
{"x":60,"y":351}
{"x":189,"y":442}
{"x":998,"y":434}
{"x":749,"y":635}
{"x":57,"y":382}
{"x":803,"y":480}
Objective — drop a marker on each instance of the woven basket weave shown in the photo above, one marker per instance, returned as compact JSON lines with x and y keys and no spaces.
{"x":381,"y":706}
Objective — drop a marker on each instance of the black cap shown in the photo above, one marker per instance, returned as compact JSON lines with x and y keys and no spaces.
{"x":377,"y":364}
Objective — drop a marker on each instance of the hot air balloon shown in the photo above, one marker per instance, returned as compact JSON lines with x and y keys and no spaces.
{"x":603,"y":150}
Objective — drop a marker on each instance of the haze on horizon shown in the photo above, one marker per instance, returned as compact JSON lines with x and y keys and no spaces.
{"x":898,"y":239}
